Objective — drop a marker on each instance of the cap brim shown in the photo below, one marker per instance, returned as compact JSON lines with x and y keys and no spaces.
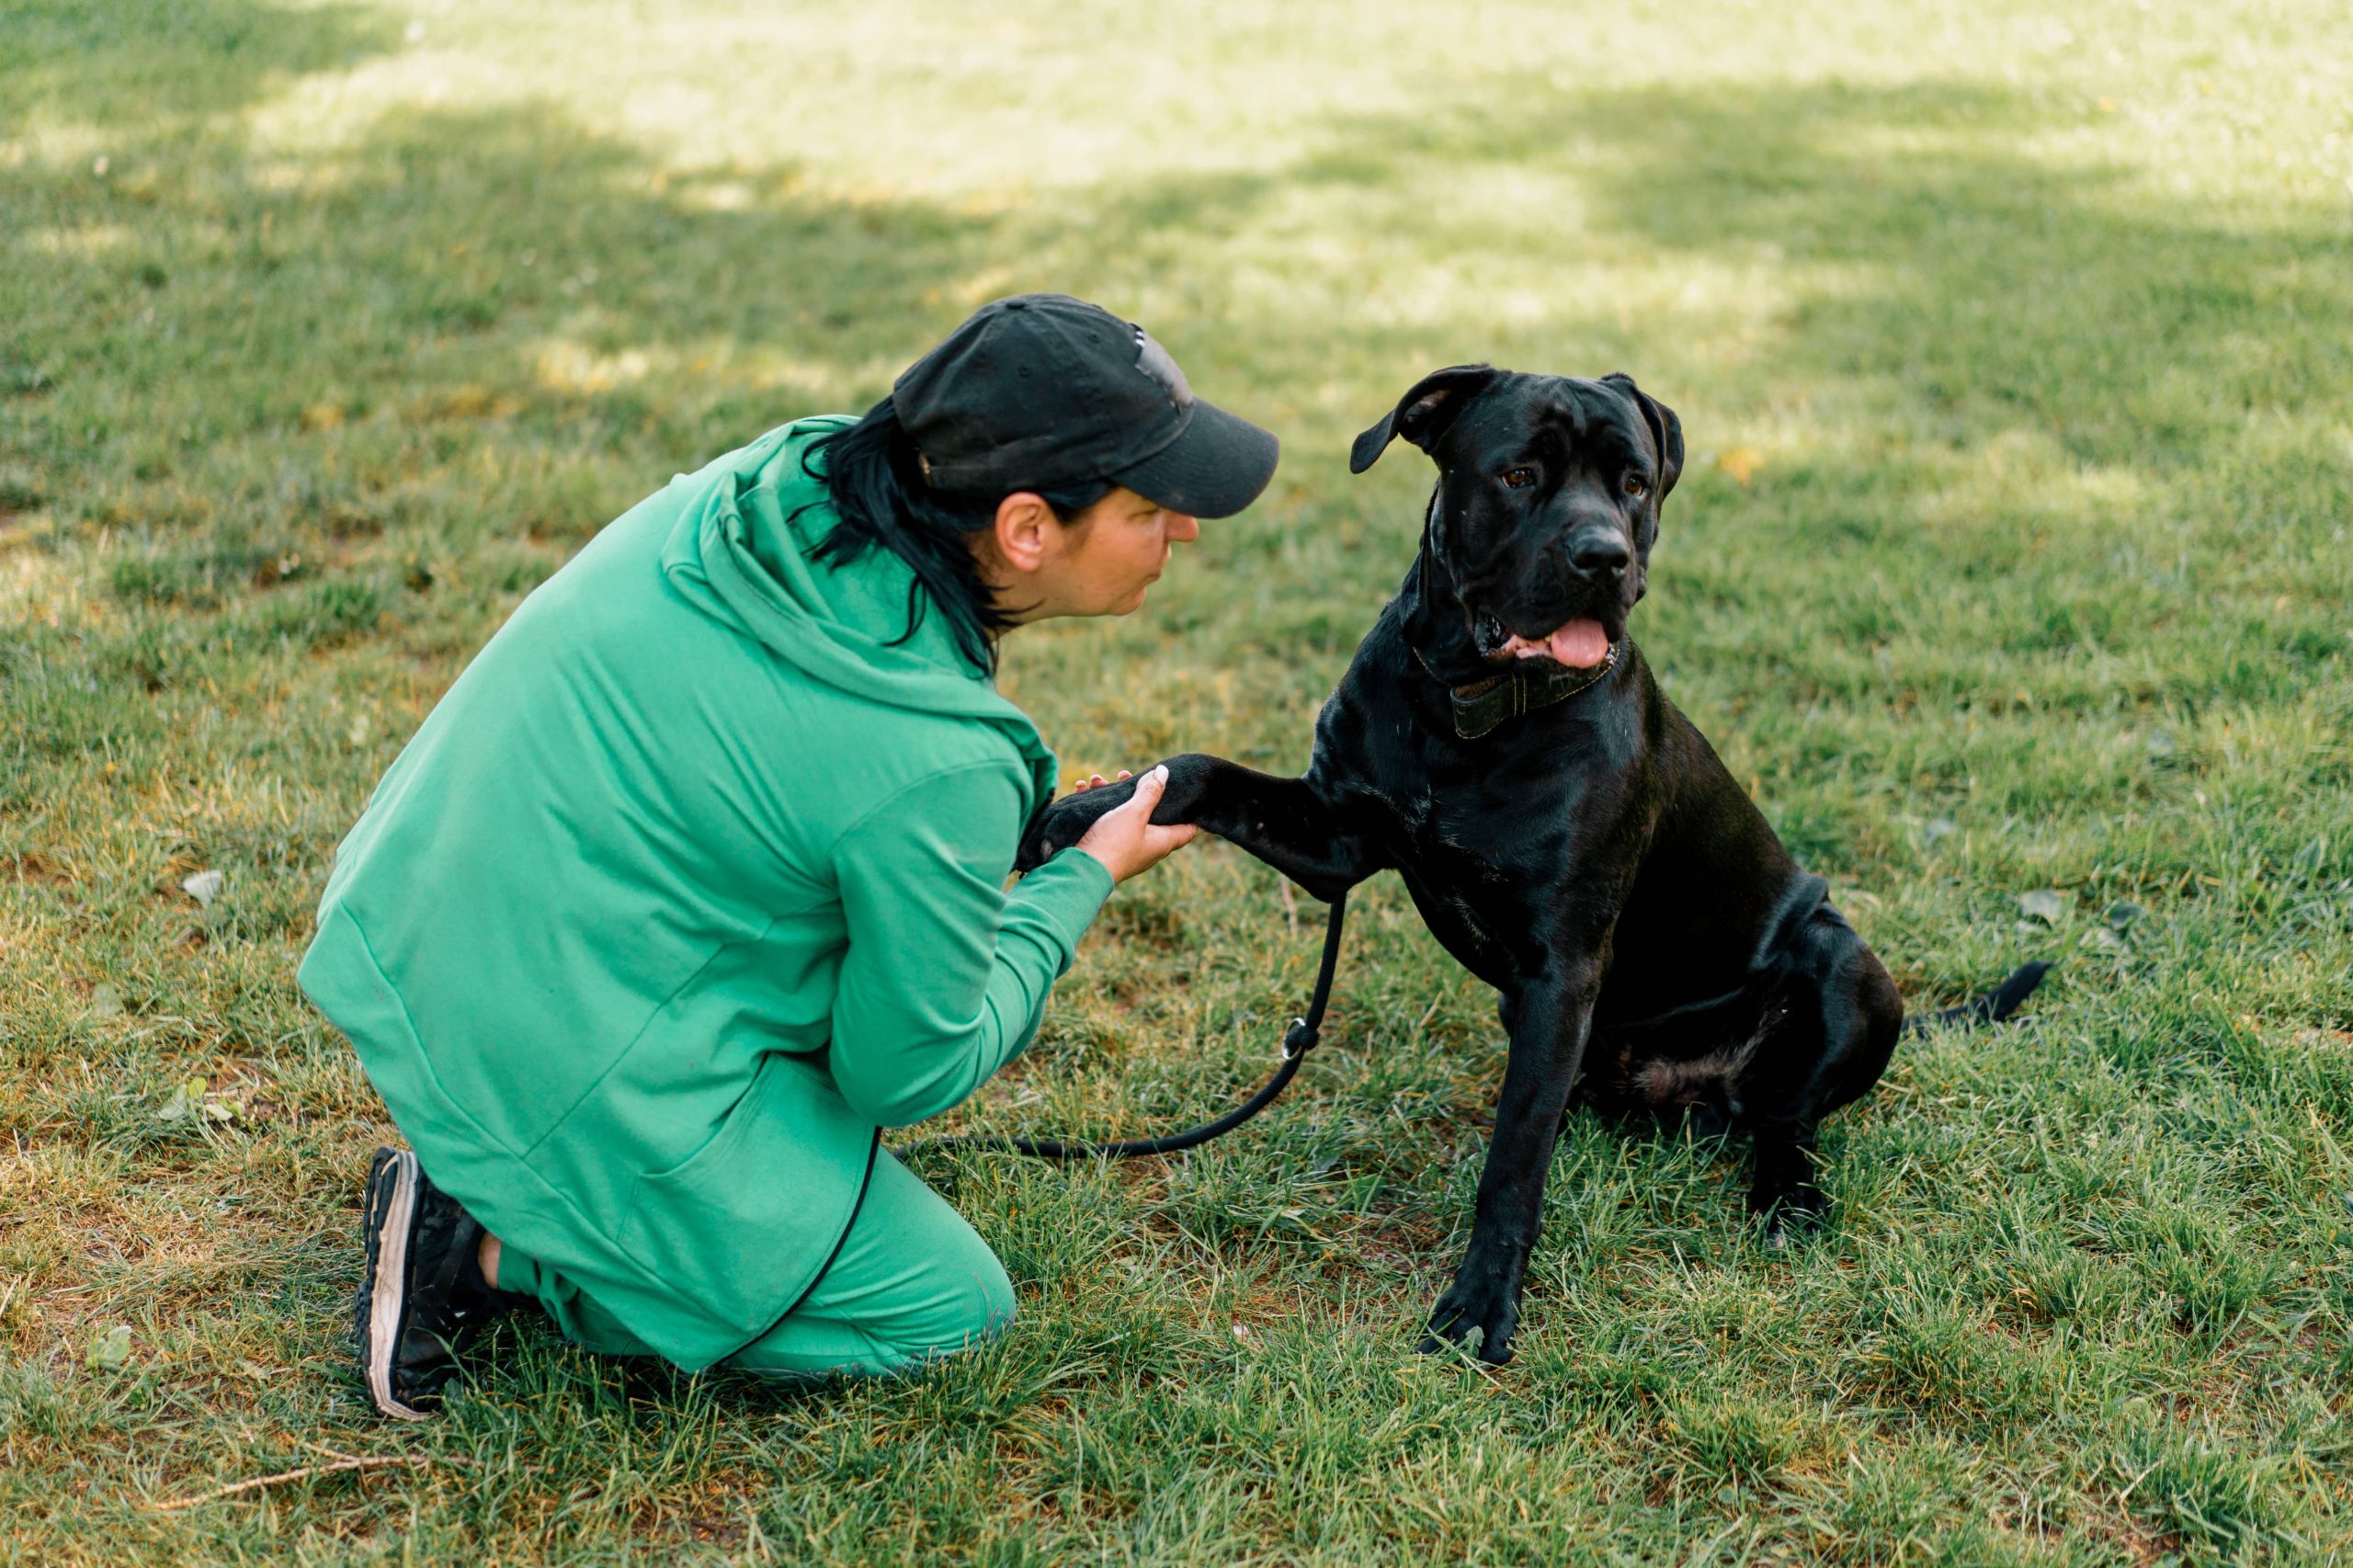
{"x":1216,"y":468}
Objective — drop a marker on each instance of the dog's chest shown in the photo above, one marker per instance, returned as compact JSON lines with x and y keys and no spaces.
{"x":1470,"y":891}
{"x":1460,"y":848}
{"x":1440,"y":830}
{"x":1455,"y":817}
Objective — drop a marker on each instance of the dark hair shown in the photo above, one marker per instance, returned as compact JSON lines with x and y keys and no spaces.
{"x":874,"y":477}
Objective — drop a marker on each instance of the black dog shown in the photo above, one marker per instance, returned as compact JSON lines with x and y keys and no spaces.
{"x":1565,"y":832}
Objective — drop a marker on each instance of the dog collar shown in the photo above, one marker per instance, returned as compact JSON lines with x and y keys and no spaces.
{"x":1483,"y":704}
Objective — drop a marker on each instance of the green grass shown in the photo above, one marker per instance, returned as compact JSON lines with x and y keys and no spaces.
{"x":2011,"y":344}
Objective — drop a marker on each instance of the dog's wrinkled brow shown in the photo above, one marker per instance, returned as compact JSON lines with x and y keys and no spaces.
{"x":1570,"y":411}
{"x":1570,"y":427}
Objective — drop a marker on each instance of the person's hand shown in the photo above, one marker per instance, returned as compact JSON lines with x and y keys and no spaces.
{"x":1127,"y":840}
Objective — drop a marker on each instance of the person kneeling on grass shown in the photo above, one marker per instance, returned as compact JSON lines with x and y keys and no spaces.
{"x":694,"y":881}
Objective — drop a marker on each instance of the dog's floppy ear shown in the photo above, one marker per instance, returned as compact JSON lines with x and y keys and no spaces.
{"x":1666,"y":429}
{"x":1422,"y":415}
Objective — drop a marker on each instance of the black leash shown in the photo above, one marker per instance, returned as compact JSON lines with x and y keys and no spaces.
{"x":1301,"y":1038}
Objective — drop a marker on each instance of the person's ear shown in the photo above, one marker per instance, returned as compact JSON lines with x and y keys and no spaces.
{"x":1422,"y":414}
{"x":1023,"y":531}
{"x":1666,"y":431}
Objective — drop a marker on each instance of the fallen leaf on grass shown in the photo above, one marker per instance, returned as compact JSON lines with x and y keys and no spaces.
{"x":1741,"y":463}
{"x":105,"y":1002}
{"x":205,"y":886}
{"x":2046,"y":905}
{"x":110,"y":1351}
{"x":189,"y":1102}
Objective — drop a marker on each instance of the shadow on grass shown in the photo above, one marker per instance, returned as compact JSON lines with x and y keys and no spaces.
{"x":76,"y":62}
{"x":358,"y":400}
{"x":1990,"y":289}
{"x":285,"y":398}
{"x":1994,"y":287}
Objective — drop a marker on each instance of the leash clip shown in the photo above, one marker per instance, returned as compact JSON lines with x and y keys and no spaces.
{"x":1299,"y":1039}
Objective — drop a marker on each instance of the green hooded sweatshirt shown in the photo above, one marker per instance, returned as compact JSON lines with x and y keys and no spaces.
{"x":693,"y":882}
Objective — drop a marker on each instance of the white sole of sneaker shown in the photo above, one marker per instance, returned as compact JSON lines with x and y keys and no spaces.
{"x":386,"y":1307}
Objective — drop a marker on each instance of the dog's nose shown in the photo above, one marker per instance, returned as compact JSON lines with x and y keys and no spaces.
{"x":1599,"y":552}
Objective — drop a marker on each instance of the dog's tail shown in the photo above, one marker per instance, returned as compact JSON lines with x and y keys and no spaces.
{"x":1990,"y":1008}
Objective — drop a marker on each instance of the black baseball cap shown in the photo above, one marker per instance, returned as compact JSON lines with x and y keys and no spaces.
{"x":1042,"y":390}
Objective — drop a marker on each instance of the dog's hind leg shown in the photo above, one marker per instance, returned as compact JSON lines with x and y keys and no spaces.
{"x":1824,"y":1042}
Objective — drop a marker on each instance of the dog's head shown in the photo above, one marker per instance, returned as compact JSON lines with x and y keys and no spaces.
{"x":1547,"y":504}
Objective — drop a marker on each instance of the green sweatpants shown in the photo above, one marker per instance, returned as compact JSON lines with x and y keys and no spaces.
{"x":912,"y":1281}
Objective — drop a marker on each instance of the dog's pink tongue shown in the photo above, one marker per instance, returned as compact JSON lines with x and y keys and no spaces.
{"x":1580,"y":644}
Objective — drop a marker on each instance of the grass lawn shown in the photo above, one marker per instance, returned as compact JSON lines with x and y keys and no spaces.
{"x":2011,"y":566}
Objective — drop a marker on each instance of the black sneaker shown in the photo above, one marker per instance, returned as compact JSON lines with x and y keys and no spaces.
{"x":423,"y":1295}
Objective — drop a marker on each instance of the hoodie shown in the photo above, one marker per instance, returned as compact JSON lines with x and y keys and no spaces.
{"x":692,"y":882}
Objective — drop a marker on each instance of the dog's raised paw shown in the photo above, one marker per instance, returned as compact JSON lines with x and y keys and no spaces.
{"x":1062,"y":822}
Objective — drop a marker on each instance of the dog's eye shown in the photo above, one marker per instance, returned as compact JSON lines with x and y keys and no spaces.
{"x":1635,"y":485}
{"x":1518,"y":477}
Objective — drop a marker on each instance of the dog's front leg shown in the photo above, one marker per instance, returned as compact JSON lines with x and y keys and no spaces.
{"x":1548,"y":1019}
{"x":1291,"y":824}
